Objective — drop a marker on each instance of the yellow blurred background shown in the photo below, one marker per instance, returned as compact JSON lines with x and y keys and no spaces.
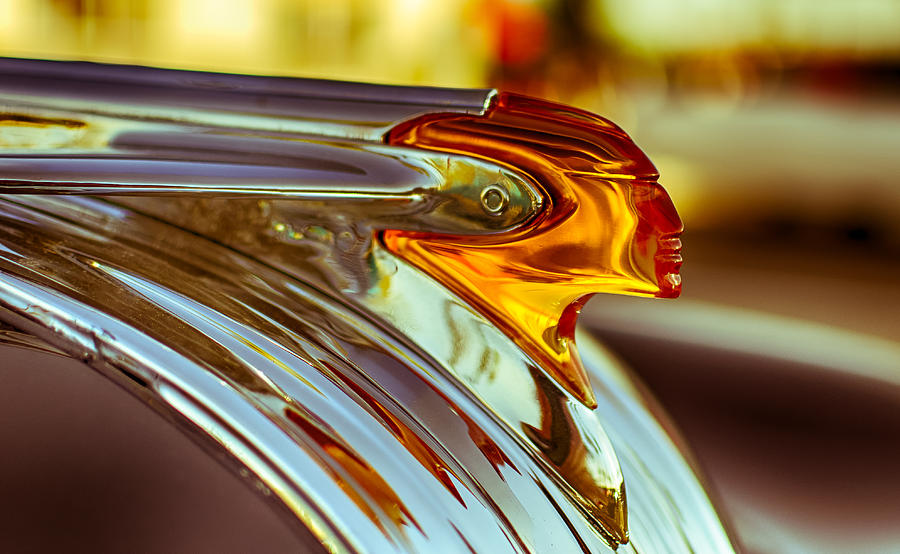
{"x":775,"y":124}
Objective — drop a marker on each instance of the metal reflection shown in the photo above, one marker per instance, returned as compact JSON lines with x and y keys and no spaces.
{"x":379,"y":185}
{"x":566,"y":437}
{"x":200,"y":99}
{"x":608,"y":226}
{"x":384,"y":410}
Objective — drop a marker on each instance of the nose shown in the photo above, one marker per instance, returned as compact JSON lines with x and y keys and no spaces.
{"x":655,"y":210}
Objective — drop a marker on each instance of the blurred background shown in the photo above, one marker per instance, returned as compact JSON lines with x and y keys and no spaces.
{"x":775,"y":125}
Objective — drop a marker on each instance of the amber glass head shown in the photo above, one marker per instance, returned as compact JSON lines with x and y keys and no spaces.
{"x":606,"y":226}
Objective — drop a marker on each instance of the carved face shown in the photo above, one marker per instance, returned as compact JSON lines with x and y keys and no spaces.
{"x":607,"y":226}
{"x":657,"y":236}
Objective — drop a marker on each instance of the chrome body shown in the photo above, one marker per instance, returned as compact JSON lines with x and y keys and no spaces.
{"x":232,"y":280}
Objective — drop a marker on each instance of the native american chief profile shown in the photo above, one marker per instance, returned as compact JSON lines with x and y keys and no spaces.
{"x":606,"y":225}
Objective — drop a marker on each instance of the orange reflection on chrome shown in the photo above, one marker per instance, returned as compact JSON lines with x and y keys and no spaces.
{"x":607,"y":226}
{"x":423,"y":453}
{"x":357,"y":469}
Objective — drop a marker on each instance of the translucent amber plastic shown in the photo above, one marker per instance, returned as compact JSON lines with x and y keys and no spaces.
{"x":607,"y":225}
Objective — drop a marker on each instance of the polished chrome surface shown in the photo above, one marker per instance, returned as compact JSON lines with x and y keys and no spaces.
{"x":608,"y":226}
{"x":46,"y":149}
{"x":372,"y":441}
{"x":233,"y":277}
{"x":410,"y":190}
{"x":270,"y":104}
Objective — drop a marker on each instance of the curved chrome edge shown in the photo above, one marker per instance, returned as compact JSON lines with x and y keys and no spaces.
{"x":87,"y":129}
{"x":122,"y":79}
{"x":661,"y":451}
{"x":479,"y":446}
{"x":560,"y":440}
{"x":280,"y":104}
{"x":206,"y":407}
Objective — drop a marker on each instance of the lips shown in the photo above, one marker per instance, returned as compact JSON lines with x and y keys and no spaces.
{"x":669,"y":249}
{"x":668,"y":266}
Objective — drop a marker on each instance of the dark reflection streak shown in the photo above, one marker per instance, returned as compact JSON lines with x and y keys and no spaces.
{"x":465,"y":540}
{"x":16,"y":118}
{"x":12,"y":336}
{"x":555,"y":436}
{"x":426,"y":457}
{"x":563,"y":517}
{"x":485,"y":365}
{"x":455,"y":335}
{"x":360,"y":471}
{"x":493,"y":454}
{"x":489,"y":357}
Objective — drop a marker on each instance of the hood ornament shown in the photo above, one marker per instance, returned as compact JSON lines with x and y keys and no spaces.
{"x":607,"y":226}
{"x":511,"y":210}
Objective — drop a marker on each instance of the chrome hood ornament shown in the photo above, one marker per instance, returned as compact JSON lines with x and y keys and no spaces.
{"x":608,"y":226}
{"x":385,"y":282}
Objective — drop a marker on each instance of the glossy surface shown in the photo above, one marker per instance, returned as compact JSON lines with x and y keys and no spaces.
{"x":608,"y":226}
{"x":273,"y":104}
{"x":394,"y":456}
{"x":373,"y":443}
{"x":61,"y":151}
{"x":383,"y":408}
{"x":396,"y":187}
